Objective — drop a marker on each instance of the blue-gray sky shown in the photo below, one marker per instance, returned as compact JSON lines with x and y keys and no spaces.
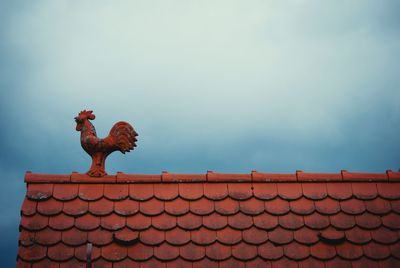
{"x":229,"y":86}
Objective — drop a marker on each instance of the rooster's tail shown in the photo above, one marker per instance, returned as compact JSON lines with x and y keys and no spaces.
{"x":124,"y":135}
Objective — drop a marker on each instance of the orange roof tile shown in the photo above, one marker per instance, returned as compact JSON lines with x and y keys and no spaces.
{"x":212,"y":220}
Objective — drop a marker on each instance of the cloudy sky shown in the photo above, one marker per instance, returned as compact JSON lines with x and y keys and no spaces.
{"x":229,"y":86}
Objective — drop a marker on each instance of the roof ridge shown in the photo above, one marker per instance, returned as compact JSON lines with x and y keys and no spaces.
{"x":212,"y":177}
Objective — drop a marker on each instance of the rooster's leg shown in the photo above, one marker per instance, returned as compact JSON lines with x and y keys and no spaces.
{"x":98,"y":165}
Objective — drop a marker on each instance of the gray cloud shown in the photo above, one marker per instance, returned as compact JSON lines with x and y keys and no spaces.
{"x":225,"y":86}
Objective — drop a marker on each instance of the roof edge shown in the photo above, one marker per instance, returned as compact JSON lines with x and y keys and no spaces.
{"x":254,"y":176}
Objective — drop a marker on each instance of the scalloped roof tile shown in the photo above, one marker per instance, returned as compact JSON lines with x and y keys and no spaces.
{"x":345,"y":219}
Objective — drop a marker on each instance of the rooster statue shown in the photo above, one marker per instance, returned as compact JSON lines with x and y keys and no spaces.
{"x":122,"y":138}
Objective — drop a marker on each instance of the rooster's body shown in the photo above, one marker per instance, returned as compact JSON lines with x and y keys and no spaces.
{"x":122,"y":138}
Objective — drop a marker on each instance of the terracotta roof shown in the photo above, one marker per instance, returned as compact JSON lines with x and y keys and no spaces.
{"x":212,"y":220}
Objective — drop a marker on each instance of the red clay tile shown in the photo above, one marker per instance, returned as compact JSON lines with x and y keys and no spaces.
{"x":365,"y":263}
{"x":114,"y":252}
{"x":138,"y":222}
{"x":232,"y":263}
{"x":225,"y":177}
{"x":302,"y":206}
{"x":291,"y":221}
{"x":342,"y":221}
{"x":113,"y":222}
{"x":101,"y":207}
{"x":296,"y":251}
{"x":284,"y":263}
{"x":177,"y":237}
{"x":240,"y":221}
{"x":258,"y":263}
{"x":229,"y":236}
{"x":83,"y":178}
{"x":126,"y":207}
{"x":323,"y":251}
{"x":140,"y":252}
{"x":265,"y":221}
{"x":265,"y":191}
{"x":327,"y":206}
{"x":361,"y":176}
{"x":395,"y":205}
{"x":376,"y":251}
{"x":90,"y":192}
{"x":87,"y":222}
{"x":349,"y":251}
{"x":290,"y":191}
{"x":166,"y":191}
{"x":206,"y":263}
{"x":378,"y":206}
{"x":318,"y":177}
{"x":61,"y":222}
{"x":227,"y":206}
{"x":39,"y":192}
{"x":74,"y":237}
{"x":75,"y":207}
{"x":152,"y":237}
{"x":368,"y":221}
{"x":80,"y":253}
{"x":277,"y":206}
{"x":337,"y":262}
{"x":255,"y":236}
{"x":126,"y":235}
{"x":268,"y":251}
{"x":60,"y":252}
{"x":65,"y":192}
{"x":32,"y":253}
{"x":177,"y":207}
{"x":28,"y":207}
{"x":203,"y":236}
{"x":389,"y":263}
{"x":252,"y":206}
{"x":192,"y":252}
{"x":352,"y":206}
{"x":389,"y":190}
{"x":244,"y":251}
{"x":316,"y":221}
{"x":48,"y":237}
{"x":126,"y":263}
{"x":311,"y":262}
{"x":166,"y":252}
{"x":391,"y":221}
{"x":26,"y":238}
{"x":218,"y":252}
{"x":137,"y":178}
{"x":240,"y":191}
{"x":364,"y":191}
{"x":186,"y":178}
{"x":339,"y":191}
{"x":280,"y":236}
{"x":102,"y":263}
{"x":395,"y":250}
{"x":189,"y":221}
{"x":141,"y":192}
{"x":100,"y":237}
{"x":163,"y":222}
{"x":314,"y":191}
{"x":331,"y":233}
{"x":151,"y":207}
{"x":35,"y":222}
{"x":268,"y":177}
{"x":190,"y":191}
{"x":23,"y":264}
{"x":71,"y":263}
{"x":116,"y":191}
{"x":306,"y":236}
{"x":215,"y":221}
{"x":384,"y":235}
{"x":201,"y":207}
{"x":215,"y":191}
